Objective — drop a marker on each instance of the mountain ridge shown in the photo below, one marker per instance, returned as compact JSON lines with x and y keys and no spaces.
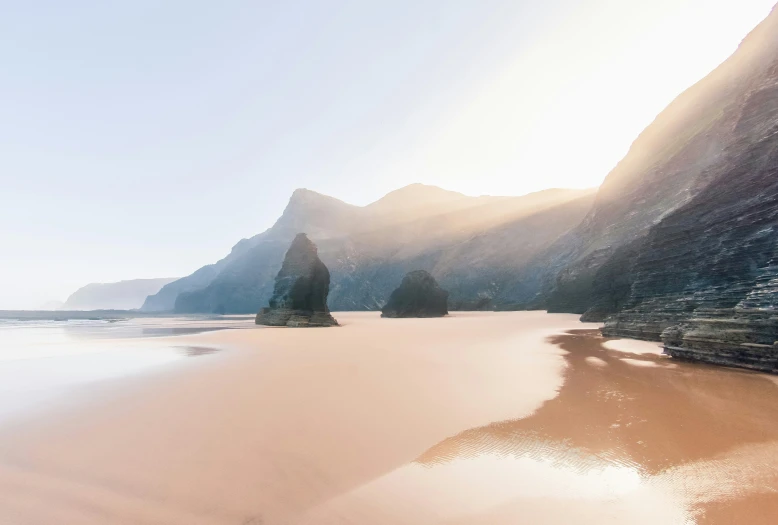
{"x":353,"y":240}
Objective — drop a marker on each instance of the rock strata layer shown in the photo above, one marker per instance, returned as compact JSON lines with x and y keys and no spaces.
{"x":703,"y":134}
{"x":301,"y":288}
{"x":705,"y":280}
{"x":419,"y":295}
{"x":746,"y":338}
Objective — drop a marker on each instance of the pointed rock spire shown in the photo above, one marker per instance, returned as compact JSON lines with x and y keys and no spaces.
{"x":301,"y":289}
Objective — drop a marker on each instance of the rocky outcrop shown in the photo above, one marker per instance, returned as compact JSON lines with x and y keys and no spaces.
{"x":669,"y":164}
{"x":419,"y":295}
{"x":300,"y":291}
{"x":705,"y":278}
{"x":745,"y":338}
{"x":705,"y":281}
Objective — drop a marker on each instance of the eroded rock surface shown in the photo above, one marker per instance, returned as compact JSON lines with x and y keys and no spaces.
{"x":688,"y":150}
{"x":705,"y":279}
{"x":419,"y":295}
{"x":746,"y":338}
{"x":301,"y":289}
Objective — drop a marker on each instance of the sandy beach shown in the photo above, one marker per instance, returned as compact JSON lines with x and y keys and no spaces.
{"x":485,"y":418}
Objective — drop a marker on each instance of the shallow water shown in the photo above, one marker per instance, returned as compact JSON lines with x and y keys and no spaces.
{"x":41,"y":360}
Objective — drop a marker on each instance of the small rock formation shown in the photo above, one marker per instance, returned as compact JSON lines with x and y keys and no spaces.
{"x":301,"y":289}
{"x":745,"y":338}
{"x":419,"y":295}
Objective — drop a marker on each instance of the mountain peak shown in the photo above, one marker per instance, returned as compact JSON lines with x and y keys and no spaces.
{"x":304,"y":194}
{"x":303,"y":199}
{"x":319,"y":215}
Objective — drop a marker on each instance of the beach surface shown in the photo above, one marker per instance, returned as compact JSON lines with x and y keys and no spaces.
{"x":477,"y":418}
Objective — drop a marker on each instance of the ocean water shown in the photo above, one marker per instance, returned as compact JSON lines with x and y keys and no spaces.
{"x":41,"y":360}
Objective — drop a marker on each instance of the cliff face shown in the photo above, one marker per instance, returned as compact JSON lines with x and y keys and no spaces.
{"x":670,"y":163}
{"x":482,"y":249}
{"x":704,"y":279}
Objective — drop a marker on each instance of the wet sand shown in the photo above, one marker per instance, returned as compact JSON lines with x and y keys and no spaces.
{"x":476,"y":418}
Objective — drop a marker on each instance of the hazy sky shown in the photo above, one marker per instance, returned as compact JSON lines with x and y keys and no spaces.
{"x":144,"y":138}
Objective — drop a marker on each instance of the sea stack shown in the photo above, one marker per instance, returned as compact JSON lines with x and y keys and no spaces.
{"x":301,"y":289}
{"x":419,"y":295}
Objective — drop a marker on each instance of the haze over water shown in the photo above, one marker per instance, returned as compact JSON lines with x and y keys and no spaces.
{"x":42,"y":359}
{"x":489,"y":418}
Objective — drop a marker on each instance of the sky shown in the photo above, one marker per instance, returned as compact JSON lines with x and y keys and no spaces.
{"x":143,"y":138}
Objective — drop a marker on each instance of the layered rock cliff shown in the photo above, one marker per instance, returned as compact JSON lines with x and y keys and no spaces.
{"x":704,"y":279}
{"x":669,"y":164}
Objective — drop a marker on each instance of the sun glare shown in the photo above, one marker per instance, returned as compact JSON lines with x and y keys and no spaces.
{"x":588,"y":88}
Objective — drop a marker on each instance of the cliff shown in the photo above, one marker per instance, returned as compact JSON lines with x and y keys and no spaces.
{"x":704,"y":279}
{"x":669,"y":164}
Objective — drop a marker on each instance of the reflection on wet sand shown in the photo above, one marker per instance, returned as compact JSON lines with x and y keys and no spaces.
{"x":705,"y":437}
{"x":196,"y":351}
{"x":152,"y":327}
